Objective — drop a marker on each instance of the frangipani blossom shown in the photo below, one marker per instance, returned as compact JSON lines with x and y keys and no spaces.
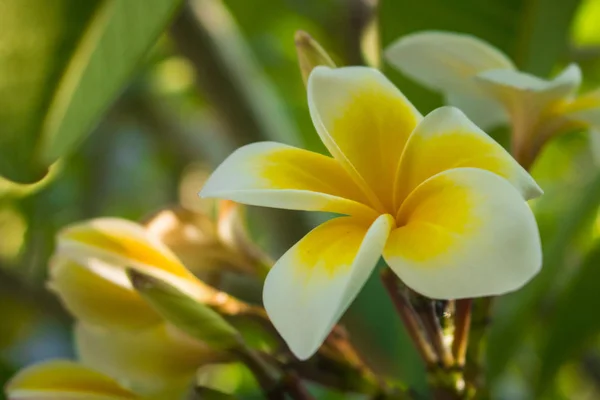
{"x":88,"y":273}
{"x":486,"y":85}
{"x":64,"y":380}
{"x":442,"y":202}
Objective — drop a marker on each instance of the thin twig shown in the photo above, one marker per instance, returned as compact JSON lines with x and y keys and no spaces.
{"x":462,"y":324}
{"x":274,"y":382}
{"x":409,"y":318}
{"x":426,"y":311}
{"x":340,"y":341}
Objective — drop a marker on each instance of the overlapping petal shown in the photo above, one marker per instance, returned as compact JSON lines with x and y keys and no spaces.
{"x":88,"y":273}
{"x":447,"y":139}
{"x":311,"y":286}
{"x":364,"y":121}
{"x":276,"y":175}
{"x":445,"y":61}
{"x":584,"y":109}
{"x":465,"y":232}
{"x":99,"y":294}
{"x":122,"y":243}
{"x":526,"y":96}
{"x":62,"y":380}
{"x":485,"y":111}
{"x":151,"y":360}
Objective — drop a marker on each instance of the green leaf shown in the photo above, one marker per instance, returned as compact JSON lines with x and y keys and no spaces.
{"x":62,"y":63}
{"x":533,"y":33}
{"x":187,"y":314}
{"x":574,"y":322}
{"x":507,"y":333}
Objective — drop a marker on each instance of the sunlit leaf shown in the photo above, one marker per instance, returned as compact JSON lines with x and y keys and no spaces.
{"x":61,"y":65}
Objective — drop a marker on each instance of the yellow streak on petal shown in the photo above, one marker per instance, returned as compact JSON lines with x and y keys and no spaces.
{"x":331,"y":247}
{"x":128,"y":247}
{"x":584,"y":102}
{"x":453,"y":150}
{"x":67,"y":377}
{"x":432,"y":219}
{"x":97,"y":300}
{"x":298,"y":169}
{"x":371,"y":130}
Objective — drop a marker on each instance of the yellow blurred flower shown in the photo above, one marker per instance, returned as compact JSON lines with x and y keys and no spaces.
{"x":62,"y":380}
{"x":88,"y":273}
{"x":118,"y":332}
{"x":154,"y":360}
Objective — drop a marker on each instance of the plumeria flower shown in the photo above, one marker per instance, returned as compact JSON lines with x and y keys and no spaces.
{"x":61,"y":380}
{"x":486,"y":85}
{"x":442,"y":202}
{"x":88,"y":273}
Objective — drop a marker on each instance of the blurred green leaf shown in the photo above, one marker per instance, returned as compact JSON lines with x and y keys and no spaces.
{"x":534,"y":33}
{"x":507,"y":333}
{"x":228,"y":379}
{"x":574,"y":322}
{"x":187,"y":314}
{"x":61,"y":64}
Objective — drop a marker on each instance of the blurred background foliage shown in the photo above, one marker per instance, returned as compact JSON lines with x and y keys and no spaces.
{"x":162,"y":93}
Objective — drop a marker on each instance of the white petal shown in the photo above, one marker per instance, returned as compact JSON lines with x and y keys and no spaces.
{"x":445,"y":61}
{"x":275,"y":175}
{"x":483,"y":110}
{"x":465,"y":233}
{"x":447,"y":139}
{"x":311,"y":286}
{"x":364,"y":121}
{"x":520,"y":90}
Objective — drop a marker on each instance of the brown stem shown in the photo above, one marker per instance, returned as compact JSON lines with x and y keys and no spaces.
{"x":409,"y":318}
{"x":274,"y":383}
{"x":462,"y":324}
{"x":426,"y":311}
{"x":340,"y":341}
{"x":294,"y":388}
{"x":521,"y":149}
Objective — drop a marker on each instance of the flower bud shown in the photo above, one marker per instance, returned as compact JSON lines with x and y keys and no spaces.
{"x":310,"y":54}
